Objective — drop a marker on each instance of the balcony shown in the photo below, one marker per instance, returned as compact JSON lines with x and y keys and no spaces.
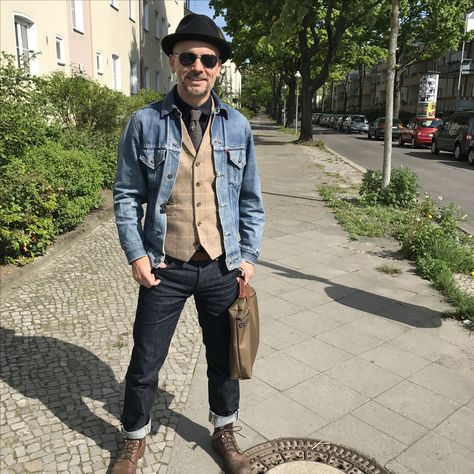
{"x":452,"y":69}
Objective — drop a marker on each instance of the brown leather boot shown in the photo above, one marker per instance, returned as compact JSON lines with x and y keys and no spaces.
{"x":223,"y":442}
{"x":132,"y":451}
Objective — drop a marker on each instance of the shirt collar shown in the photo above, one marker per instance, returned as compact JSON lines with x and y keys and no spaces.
{"x":185,"y":108}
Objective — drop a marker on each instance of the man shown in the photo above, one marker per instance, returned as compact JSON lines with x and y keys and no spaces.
{"x":191,"y":159}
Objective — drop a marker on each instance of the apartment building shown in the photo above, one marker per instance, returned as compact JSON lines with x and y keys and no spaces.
{"x":345,"y":94}
{"x":116,"y":42}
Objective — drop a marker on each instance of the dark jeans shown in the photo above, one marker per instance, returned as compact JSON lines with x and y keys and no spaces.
{"x":215,"y":289}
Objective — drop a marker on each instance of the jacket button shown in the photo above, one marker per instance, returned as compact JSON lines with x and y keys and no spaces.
{"x":199,"y":223}
{"x":198,"y":163}
{"x":198,"y":204}
{"x":152,"y":162}
{"x":198,"y":184}
{"x":169,"y":176}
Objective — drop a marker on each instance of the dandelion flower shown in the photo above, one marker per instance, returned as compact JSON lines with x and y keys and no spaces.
{"x":472,"y":274}
{"x":430,"y":216}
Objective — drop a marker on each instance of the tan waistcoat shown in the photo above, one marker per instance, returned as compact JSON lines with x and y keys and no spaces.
{"x":192,"y":211}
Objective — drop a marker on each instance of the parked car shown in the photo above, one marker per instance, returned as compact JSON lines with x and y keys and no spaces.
{"x":456,"y":136}
{"x":355,"y":123}
{"x":419,"y":132}
{"x":377,"y":129}
{"x":315,"y":117}
{"x":340,"y":121}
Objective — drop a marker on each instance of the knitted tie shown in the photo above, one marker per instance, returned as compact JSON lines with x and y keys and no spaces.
{"x":195,"y":130}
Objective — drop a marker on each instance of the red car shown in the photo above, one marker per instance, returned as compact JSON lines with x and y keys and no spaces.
{"x":419,"y":132}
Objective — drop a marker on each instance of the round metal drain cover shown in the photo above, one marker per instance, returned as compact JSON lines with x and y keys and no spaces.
{"x":325,"y":458}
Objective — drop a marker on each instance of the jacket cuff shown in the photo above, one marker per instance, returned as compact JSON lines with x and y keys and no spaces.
{"x":135,"y":253}
{"x":248,"y":256}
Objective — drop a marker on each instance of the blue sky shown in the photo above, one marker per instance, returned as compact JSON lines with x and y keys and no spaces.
{"x":202,"y":6}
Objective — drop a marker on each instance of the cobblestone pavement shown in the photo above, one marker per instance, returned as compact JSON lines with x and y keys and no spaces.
{"x":66,"y":341}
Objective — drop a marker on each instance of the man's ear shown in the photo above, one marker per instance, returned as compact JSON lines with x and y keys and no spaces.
{"x":171,"y":59}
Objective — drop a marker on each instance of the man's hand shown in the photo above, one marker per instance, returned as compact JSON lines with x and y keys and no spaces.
{"x":247,"y":269}
{"x":141,"y":271}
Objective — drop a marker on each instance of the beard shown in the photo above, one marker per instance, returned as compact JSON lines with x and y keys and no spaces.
{"x":196,"y":91}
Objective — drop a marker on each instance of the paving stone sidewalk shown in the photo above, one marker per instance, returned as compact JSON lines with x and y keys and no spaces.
{"x":348,"y":354}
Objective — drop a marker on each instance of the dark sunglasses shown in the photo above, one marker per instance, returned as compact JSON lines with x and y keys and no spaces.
{"x":188,"y":59}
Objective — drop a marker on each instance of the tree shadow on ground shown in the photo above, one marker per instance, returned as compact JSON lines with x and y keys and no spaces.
{"x":60,"y":375}
{"x":389,"y":308}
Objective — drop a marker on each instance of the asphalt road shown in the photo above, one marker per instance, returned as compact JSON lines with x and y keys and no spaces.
{"x":439,"y":175}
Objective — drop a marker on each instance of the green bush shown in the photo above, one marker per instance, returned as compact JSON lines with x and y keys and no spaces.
{"x":401,"y":192}
{"x":28,"y":206}
{"x":81,"y":103}
{"x":246,"y":112}
{"x":75,"y":174}
{"x":22,"y":117}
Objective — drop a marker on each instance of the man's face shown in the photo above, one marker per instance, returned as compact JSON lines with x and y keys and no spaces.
{"x":195,"y":81}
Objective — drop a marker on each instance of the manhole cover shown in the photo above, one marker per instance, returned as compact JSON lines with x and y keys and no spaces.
{"x":325,"y":458}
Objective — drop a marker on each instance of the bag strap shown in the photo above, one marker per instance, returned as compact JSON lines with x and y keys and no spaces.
{"x":244,"y":291}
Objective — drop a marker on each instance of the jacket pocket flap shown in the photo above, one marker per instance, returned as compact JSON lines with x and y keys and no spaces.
{"x":237,"y":157}
{"x":152,"y":157}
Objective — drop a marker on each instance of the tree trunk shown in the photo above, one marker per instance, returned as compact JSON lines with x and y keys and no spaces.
{"x":306,"y":122}
{"x":279,"y":118}
{"x":361,"y":88}
{"x":397,"y":93}
{"x":346,"y":93}
{"x":290,"y":103}
{"x":387,"y":150}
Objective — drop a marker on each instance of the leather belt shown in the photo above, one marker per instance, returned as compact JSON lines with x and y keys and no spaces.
{"x":200,"y":256}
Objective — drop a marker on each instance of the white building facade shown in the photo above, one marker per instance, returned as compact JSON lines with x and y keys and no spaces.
{"x":116,"y":42}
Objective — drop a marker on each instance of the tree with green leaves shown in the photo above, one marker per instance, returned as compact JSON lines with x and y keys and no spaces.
{"x":250,"y":25}
{"x":428,"y":29}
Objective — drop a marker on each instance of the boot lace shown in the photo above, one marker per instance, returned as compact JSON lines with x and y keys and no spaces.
{"x":227,"y":437}
{"x":130,"y":449}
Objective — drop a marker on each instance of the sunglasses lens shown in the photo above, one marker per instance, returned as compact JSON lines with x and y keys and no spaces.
{"x":208,"y":60}
{"x":186,"y":59}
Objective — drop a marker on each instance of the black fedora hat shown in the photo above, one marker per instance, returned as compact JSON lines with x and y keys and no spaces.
{"x":199,"y":28}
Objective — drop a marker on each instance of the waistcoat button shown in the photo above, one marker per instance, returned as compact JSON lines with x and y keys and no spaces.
{"x":198,"y":184}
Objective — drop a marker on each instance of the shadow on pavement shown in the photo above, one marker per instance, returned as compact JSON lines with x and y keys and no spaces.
{"x":408,"y":313}
{"x":60,"y":374}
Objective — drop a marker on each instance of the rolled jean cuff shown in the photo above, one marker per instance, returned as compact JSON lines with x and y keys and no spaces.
{"x":138,"y":434}
{"x":219,"y":421}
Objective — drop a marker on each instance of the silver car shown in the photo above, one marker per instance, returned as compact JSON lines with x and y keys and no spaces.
{"x":356,"y":123}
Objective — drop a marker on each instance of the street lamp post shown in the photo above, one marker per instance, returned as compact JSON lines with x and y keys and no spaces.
{"x":468,"y":26}
{"x":298,"y":76}
{"x":284,"y":104}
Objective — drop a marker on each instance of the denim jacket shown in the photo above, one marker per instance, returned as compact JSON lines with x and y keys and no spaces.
{"x":148,"y":160}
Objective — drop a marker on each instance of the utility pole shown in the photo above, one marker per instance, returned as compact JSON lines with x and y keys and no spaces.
{"x":392,"y":48}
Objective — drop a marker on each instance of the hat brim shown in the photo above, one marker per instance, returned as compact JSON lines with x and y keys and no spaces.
{"x":169,"y":41}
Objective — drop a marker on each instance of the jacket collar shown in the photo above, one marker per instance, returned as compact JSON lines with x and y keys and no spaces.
{"x":169,"y":104}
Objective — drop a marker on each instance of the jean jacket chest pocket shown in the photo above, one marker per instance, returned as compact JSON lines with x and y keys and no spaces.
{"x":153,"y":159}
{"x":235,"y":165}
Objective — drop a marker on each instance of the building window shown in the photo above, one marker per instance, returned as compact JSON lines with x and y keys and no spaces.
{"x":131,"y":9}
{"x":114,"y":4}
{"x":146,"y":15}
{"x":133,"y":78}
{"x":157,"y":25}
{"x":22,"y":33}
{"x":117,"y":85}
{"x":99,"y":62}
{"x":146,"y":78}
{"x":60,"y":57}
{"x":77,"y":15}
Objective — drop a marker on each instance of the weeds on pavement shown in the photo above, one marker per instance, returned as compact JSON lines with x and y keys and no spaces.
{"x":427,"y":231}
